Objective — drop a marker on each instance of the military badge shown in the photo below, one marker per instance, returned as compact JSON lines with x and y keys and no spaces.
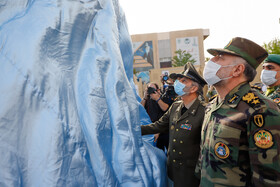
{"x":263,"y":139}
{"x":233,"y":99}
{"x":277,"y":100}
{"x":221,"y":150}
{"x":258,"y":120}
{"x":186,"y":126}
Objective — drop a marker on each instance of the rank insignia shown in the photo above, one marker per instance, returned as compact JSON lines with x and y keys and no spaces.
{"x":213,"y":97}
{"x":186,"y":126}
{"x":221,"y":150}
{"x":233,"y":99}
{"x":277,"y":100}
{"x":263,"y":139}
{"x":258,"y":120}
{"x":251,"y":99}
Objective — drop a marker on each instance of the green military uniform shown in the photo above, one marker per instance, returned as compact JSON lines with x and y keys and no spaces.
{"x":241,"y":133}
{"x":274,"y":94}
{"x":240,"y":140}
{"x":184,"y":140}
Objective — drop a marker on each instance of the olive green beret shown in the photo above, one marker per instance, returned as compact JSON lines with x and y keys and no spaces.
{"x":273,"y":58}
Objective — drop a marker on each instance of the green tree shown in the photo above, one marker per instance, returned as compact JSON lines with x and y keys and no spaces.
{"x":273,"y":47}
{"x":181,"y":58}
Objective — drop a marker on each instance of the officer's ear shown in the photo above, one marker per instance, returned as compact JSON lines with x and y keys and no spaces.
{"x":193,"y":89}
{"x":238,"y":70}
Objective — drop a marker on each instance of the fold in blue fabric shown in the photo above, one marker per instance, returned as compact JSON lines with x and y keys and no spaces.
{"x":69,"y":112}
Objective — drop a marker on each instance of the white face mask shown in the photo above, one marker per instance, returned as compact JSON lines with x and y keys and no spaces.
{"x":268,"y":77}
{"x":210,"y":72}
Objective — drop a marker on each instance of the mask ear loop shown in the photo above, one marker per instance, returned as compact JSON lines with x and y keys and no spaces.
{"x":228,"y":66}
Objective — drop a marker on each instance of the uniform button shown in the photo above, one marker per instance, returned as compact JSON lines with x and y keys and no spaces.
{"x":180,"y":153}
{"x":177,"y":130}
{"x":174,"y":150}
{"x":174,"y":140}
{"x":181,"y":141}
{"x":174,"y":161}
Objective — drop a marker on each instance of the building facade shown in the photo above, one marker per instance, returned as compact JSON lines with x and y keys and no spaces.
{"x":155,"y":50}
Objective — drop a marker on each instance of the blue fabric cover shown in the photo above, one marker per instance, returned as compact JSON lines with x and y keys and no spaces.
{"x":69,"y":112}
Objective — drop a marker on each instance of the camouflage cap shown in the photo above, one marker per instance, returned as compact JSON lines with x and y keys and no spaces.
{"x":244,"y":48}
{"x":273,"y":58}
{"x":191,"y":73}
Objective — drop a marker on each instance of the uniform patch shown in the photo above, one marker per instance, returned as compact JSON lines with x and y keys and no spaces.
{"x":251,"y":99}
{"x":221,"y":150}
{"x":233,"y":99}
{"x":263,"y":139}
{"x":186,"y":126}
{"x":258,"y":120}
{"x":277,"y":100}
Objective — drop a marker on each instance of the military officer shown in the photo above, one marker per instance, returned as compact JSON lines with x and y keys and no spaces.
{"x":183,"y":121}
{"x":241,"y":131}
{"x":270,"y":76}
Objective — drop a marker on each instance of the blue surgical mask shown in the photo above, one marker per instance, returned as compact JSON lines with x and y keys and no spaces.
{"x":178,"y":86}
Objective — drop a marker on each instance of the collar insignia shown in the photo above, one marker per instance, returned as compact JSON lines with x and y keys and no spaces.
{"x":213,"y":97}
{"x":193,"y":111}
{"x":233,"y":99}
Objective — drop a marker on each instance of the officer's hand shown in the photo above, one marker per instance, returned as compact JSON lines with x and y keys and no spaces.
{"x":156,"y":137}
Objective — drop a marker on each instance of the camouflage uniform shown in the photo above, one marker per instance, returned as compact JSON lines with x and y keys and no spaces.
{"x":275,"y":95}
{"x":240,"y":141}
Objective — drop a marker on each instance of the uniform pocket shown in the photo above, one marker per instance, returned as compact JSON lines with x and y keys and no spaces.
{"x":226,"y":143}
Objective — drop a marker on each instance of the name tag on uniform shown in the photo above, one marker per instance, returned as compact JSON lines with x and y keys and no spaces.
{"x":186,"y":126}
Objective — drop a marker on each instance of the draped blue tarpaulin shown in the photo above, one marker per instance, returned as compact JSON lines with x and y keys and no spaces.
{"x":69,"y":113}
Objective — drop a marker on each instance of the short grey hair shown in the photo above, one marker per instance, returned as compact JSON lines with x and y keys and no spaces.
{"x":199,"y":88}
{"x":249,"y":72}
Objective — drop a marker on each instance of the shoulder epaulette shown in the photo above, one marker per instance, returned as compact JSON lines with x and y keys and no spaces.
{"x":251,"y":99}
{"x":256,"y":87}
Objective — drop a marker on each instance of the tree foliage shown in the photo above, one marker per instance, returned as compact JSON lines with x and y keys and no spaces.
{"x":273,"y":47}
{"x":181,"y":58}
